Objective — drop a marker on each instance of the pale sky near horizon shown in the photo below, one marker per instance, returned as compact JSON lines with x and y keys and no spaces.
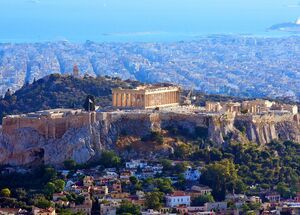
{"x":81,"y":18}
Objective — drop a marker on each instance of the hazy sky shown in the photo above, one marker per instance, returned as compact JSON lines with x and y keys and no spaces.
{"x":89,"y":19}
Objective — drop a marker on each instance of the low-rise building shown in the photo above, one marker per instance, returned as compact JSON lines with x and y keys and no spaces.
{"x":40,"y":211}
{"x":151,"y":212}
{"x":109,"y":208}
{"x":125,"y":175}
{"x":115,"y":195}
{"x":197,"y":191}
{"x":88,"y":181}
{"x":85,"y":208}
{"x":134,"y":164}
{"x":192,"y":174}
{"x":57,"y":196}
{"x":273,"y":197}
{"x":99,"y":191}
{"x":255,"y":199}
{"x":12,"y":211}
{"x":116,"y":187}
{"x":216,"y":206}
{"x":178,"y":198}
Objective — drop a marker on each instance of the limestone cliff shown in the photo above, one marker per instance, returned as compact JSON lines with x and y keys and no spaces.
{"x":262,"y":129}
{"x":26,"y":146}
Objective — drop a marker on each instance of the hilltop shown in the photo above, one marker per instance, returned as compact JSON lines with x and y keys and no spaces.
{"x":66,"y":91}
{"x":57,"y":91}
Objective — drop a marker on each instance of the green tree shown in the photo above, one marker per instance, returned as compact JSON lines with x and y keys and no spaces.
{"x":110,"y":159}
{"x":20,"y":194}
{"x":164,"y":185}
{"x":70,"y":164}
{"x":182,"y":151}
{"x":133,"y":180}
{"x":5,"y":192}
{"x":154,"y":200}
{"x":49,"y":188}
{"x":128,"y":208}
{"x":59,"y":185}
{"x":154,"y":136}
{"x":201,"y":200}
{"x":167,"y":165}
{"x":180,"y":168}
{"x":79,"y":200}
{"x":284,"y":190}
{"x":221,"y":176}
{"x":42,"y":202}
{"x":49,"y":174}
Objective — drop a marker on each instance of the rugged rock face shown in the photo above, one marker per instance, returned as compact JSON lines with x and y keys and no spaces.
{"x":262,"y":129}
{"x":27,"y":147}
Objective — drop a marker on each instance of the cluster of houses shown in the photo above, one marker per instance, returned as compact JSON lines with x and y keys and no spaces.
{"x":106,"y":190}
{"x":106,"y":186}
{"x":258,"y":106}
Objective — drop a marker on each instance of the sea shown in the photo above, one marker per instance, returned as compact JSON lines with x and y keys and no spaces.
{"x":32,"y":21}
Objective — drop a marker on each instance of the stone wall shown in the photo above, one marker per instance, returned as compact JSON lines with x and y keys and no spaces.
{"x":47,"y":126}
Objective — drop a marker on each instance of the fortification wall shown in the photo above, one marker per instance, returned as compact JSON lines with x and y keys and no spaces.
{"x":258,"y":128}
{"x":47,"y":126}
{"x":10,"y":124}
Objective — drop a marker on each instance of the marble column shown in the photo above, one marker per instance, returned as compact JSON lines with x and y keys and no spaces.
{"x":122,"y":99}
{"x":118,"y":100}
{"x":136,"y":100}
{"x":115,"y":99}
{"x":132,"y":100}
{"x":126,"y":99}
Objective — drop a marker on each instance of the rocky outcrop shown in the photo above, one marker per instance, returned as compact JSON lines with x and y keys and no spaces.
{"x":262,"y":129}
{"x":25,"y":146}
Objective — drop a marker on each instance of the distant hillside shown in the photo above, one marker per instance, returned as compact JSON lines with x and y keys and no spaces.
{"x":238,"y":66}
{"x":56,"y":91}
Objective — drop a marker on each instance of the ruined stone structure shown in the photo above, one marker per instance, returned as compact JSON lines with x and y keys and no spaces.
{"x":252,"y":107}
{"x":285,"y":107}
{"x":257,"y":106}
{"x":146,"y":97}
{"x":223,"y":107}
{"x":49,"y":123}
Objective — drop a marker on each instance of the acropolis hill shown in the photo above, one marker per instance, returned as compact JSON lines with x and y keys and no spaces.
{"x":52,"y":136}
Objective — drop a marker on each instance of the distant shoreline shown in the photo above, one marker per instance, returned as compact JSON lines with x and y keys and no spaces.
{"x":288,"y":27}
{"x":154,"y":37}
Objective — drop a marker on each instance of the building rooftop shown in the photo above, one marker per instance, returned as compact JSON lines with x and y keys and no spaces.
{"x":178,"y":193}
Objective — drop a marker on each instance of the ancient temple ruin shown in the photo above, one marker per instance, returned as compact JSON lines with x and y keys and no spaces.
{"x":146,"y":97}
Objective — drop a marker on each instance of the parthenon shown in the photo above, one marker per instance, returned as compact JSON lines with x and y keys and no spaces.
{"x":146,"y":97}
